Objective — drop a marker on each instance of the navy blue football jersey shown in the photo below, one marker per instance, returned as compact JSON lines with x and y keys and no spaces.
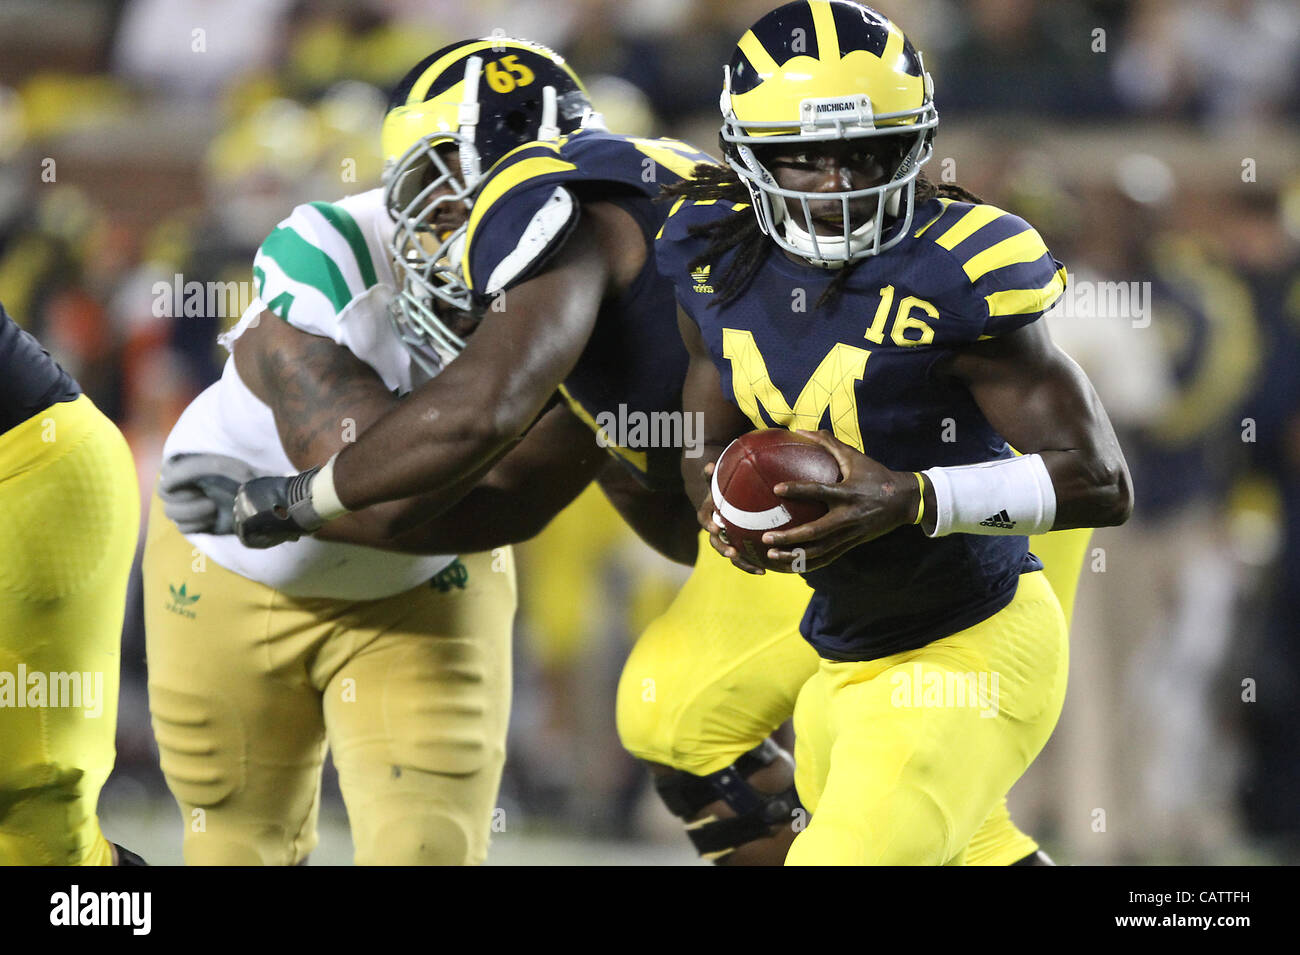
{"x":860,"y":366}
{"x":30,"y":380}
{"x":634,"y":364}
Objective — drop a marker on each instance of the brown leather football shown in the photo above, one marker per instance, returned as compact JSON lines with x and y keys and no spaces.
{"x":744,"y":477}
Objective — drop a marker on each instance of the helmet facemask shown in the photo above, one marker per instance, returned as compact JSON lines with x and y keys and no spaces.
{"x":421,"y":189}
{"x":822,"y":120}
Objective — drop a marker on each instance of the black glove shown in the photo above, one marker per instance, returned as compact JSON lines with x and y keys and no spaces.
{"x":275,"y":510}
{"x":198,"y":491}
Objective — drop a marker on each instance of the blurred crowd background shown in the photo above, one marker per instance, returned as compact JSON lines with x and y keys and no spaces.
{"x":1153,"y":143}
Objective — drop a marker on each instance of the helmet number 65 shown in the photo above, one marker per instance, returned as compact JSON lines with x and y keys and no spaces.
{"x":505,"y":74}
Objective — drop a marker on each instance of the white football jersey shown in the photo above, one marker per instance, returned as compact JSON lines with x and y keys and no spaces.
{"x":324,"y":270}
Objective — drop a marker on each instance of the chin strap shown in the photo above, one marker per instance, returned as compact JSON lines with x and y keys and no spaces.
{"x":859,"y":238}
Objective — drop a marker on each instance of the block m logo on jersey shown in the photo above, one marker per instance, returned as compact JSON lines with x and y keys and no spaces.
{"x":831,"y":388}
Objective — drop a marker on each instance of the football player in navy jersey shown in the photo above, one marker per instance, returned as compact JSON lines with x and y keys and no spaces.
{"x":557,"y":259}
{"x":943,"y":650}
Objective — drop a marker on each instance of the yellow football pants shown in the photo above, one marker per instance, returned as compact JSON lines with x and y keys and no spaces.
{"x":69,"y":521}
{"x":247,"y":687}
{"x":901,"y":759}
{"x":720,"y":671}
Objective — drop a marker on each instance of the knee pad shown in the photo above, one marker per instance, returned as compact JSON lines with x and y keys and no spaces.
{"x":227,"y":849}
{"x":757,"y":812}
{"x":418,"y":838}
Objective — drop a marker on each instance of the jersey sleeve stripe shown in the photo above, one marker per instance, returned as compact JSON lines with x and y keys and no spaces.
{"x":1028,"y":246}
{"x":302,"y":262}
{"x":970,"y":223}
{"x":303,"y":306}
{"x":347,"y":227}
{"x":939,"y":215}
{"x":314,"y":229}
{"x":677,"y":157}
{"x":548,"y":228}
{"x":1027,"y":301}
{"x":677,"y":204}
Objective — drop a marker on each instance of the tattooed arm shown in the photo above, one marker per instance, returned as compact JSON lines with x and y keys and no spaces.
{"x":313,"y":385}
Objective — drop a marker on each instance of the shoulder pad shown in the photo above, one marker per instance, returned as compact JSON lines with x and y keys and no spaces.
{"x":675,"y":247}
{"x":637,"y":162}
{"x":313,"y":266}
{"x":1007,"y":266}
{"x":521,"y":215}
{"x":686,"y":214}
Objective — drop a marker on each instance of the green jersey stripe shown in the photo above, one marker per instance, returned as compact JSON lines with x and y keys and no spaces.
{"x":347,"y":227}
{"x":303,"y":262}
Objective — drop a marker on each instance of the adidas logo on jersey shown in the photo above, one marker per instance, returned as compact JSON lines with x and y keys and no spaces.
{"x":701,"y":277}
{"x":1001,"y":519}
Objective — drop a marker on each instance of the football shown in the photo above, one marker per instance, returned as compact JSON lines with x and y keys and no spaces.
{"x":743,"y":480}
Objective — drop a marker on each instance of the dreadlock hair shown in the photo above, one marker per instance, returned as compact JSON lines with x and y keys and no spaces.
{"x":740,"y":230}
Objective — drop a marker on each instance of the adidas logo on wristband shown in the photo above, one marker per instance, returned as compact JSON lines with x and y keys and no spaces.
{"x":1002,"y":519}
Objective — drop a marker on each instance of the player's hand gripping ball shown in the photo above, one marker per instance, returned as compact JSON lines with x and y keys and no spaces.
{"x":744,"y":504}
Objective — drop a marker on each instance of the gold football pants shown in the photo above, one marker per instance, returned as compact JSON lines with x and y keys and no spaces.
{"x":248,"y":686}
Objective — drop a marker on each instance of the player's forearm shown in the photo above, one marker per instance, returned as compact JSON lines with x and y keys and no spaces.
{"x":1041,"y":401}
{"x":484,"y":400}
{"x":693,"y":477}
{"x":419,"y":525}
{"x":702,"y":395}
{"x":484,"y":519}
{"x":1074,"y":489}
{"x":508,"y":503}
{"x":665,"y":520}
{"x":1093,"y":489}
{"x":426,"y":448}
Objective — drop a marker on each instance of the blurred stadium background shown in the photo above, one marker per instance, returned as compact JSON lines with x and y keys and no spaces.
{"x":1151,"y":142}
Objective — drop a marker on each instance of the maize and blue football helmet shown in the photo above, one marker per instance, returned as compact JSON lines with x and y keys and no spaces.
{"x":478,"y":99}
{"x":815,"y":71}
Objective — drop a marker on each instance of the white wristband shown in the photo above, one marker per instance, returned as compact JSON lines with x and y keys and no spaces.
{"x":324,"y":499}
{"x":1009,"y":496}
